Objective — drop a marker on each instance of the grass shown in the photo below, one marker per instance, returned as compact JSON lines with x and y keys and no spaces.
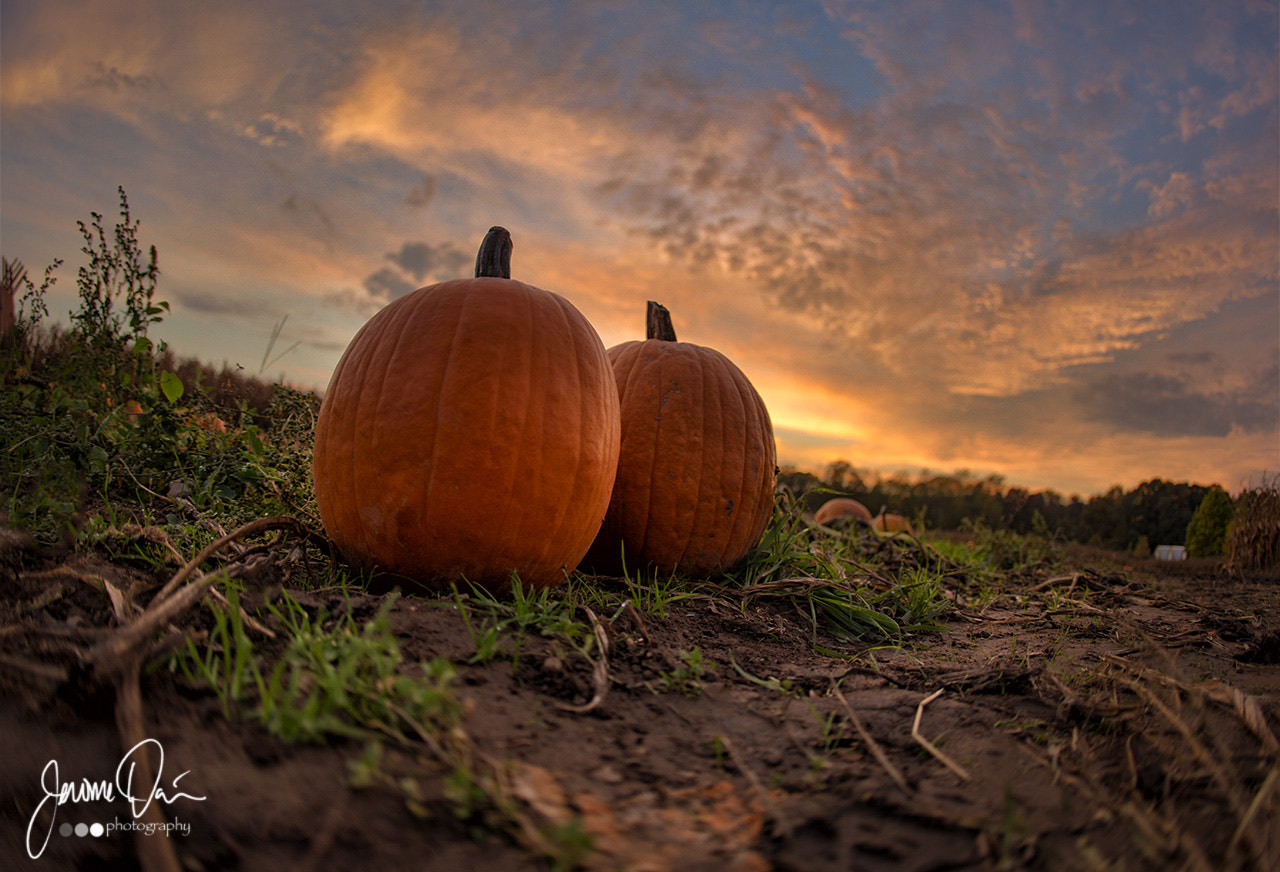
{"x":852,"y":588}
{"x":333,"y":677}
{"x":848,"y":583}
{"x":503,"y":623}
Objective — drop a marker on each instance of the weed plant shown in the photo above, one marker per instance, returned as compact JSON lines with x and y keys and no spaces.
{"x":686,"y":678}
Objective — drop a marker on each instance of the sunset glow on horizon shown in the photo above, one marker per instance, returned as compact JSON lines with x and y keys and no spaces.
{"x":1022,"y":238}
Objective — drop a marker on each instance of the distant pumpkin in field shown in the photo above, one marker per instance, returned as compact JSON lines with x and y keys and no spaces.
{"x":132,"y":410}
{"x":842,"y":507}
{"x":470,"y":430}
{"x":697,"y":466}
{"x":891,"y":523}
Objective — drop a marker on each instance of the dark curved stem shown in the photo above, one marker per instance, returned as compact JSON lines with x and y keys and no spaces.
{"x":494,"y":258}
{"x":658,"y":323}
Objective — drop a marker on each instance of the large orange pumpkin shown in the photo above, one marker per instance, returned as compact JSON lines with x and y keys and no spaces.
{"x":470,"y":430}
{"x":696,"y":472}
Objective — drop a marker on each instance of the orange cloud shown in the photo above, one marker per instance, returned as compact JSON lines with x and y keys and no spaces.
{"x":427,"y":96}
{"x":106,"y":53}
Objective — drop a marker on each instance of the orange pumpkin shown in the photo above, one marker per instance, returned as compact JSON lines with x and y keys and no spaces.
{"x":891,"y":523}
{"x":132,"y":410}
{"x":696,"y":472}
{"x":470,"y":430}
{"x":842,"y":507}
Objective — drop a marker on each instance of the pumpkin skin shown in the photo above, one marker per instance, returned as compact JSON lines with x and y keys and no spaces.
{"x":697,"y":468}
{"x":842,"y":507}
{"x":470,"y":430}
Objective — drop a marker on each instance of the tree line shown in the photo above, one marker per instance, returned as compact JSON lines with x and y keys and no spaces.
{"x":1156,"y":512}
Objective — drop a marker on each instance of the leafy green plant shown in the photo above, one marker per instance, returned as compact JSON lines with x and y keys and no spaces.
{"x":686,"y":678}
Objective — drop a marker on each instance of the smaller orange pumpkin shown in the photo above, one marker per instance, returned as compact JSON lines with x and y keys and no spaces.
{"x":697,"y":466}
{"x":842,"y":507}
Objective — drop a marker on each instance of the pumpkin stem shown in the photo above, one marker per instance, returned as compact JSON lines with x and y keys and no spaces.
{"x":658,"y":323}
{"x":494,"y":257}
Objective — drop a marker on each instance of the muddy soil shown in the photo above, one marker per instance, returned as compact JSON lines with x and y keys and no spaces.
{"x":1101,"y":716}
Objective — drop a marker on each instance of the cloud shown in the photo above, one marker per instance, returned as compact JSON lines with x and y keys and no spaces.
{"x":1194,"y":358}
{"x":221,"y":303}
{"x":388,"y":283}
{"x":477,"y":99}
{"x":273,"y":131}
{"x":1177,"y":193}
{"x":310,"y":215}
{"x":415,"y":262}
{"x":106,"y":52}
{"x":949,"y":222}
{"x":1167,"y":405}
{"x":420,"y":259}
{"x":422,"y":193}
{"x":99,"y":76}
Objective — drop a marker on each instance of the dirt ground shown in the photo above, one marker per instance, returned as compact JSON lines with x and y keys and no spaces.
{"x":1099,"y":717}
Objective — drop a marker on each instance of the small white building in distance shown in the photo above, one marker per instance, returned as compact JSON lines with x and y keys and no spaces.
{"x":1171,"y":552}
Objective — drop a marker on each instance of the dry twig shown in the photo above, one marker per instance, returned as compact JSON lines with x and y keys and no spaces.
{"x":171,"y":601}
{"x":120,"y":656}
{"x":876,"y":751}
{"x":929,"y":746}
{"x":599,"y":670}
{"x":782,"y":827}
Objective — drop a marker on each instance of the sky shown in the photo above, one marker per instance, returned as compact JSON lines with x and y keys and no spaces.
{"x":1025,"y":238}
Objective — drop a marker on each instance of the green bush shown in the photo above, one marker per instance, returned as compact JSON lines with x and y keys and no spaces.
{"x":1207,"y":532}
